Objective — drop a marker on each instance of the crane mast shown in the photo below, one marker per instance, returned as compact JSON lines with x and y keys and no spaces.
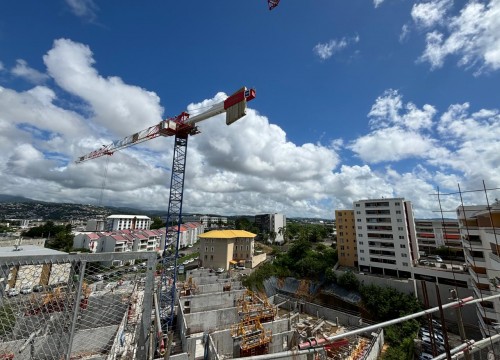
{"x":181,"y":126}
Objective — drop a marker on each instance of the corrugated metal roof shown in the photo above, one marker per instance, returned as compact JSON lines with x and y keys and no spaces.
{"x":227,"y":234}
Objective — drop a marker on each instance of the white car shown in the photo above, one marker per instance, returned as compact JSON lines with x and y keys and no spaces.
{"x":241,"y":267}
{"x":12,"y":292}
{"x":219,"y":270}
{"x":26,"y":289}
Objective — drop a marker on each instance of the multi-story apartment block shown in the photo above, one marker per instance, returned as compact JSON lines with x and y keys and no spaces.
{"x":221,"y":248}
{"x":480,"y":231}
{"x":272,"y":223}
{"x":212,"y":221}
{"x":123,"y":222}
{"x":346,"y":238}
{"x":386,"y":237}
{"x":435,"y":233}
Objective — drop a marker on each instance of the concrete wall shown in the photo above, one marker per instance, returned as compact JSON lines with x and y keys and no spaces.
{"x":317,"y":310}
{"x":206,"y":302}
{"x":257,"y":259}
{"x":211,"y":320}
{"x":404,"y":286}
{"x":217,"y":287}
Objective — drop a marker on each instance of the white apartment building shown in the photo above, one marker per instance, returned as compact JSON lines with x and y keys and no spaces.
{"x":386,"y":236}
{"x":435,"y":233}
{"x":212,"y":221}
{"x":272,"y":223}
{"x":480,"y":231}
{"x":125,"y":222}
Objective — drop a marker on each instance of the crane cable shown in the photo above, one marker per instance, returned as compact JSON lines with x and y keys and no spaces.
{"x":105,"y":176}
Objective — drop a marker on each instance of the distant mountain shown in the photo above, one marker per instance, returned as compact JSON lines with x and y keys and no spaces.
{"x":14,"y":198}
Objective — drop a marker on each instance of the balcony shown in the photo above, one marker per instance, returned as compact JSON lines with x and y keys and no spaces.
{"x":479,"y":292}
{"x":476,"y":261}
{"x":485,"y":323}
{"x":477,"y":275}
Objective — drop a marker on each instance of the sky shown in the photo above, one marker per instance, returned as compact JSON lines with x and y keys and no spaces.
{"x":357,"y":99}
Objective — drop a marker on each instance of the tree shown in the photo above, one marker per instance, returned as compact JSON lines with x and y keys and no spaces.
{"x":157,"y":223}
{"x":284,"y":233}
{"x":272,"y":236}
{"x":348,"y":281}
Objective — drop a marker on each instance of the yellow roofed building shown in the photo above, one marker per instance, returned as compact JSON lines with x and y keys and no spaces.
{"x":223,"y":248}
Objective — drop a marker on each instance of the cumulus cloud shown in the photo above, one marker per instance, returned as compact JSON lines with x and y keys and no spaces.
{"x":85,"y":9}
{"x":328,"y":49}
{"x":428,"y":14}
{"x":116,"y":106}
{"x":405,"y":33}
{"x":473,"y":35}
{"x":247,"y":168}
{"x":24,"y":71}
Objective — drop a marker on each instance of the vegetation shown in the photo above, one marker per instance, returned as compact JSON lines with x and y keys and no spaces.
{"x":59,"y":236}
{"x":7,"y":319}
{"x":157,"y":223}
{"x":301,"y":261}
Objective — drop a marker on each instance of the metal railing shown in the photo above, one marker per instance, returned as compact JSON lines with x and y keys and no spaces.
{"x":76,"y":305}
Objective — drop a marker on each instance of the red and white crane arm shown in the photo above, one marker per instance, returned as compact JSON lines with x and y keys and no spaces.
{"x":234,"y":106}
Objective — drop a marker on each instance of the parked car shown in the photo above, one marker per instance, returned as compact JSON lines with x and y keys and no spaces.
{"x":426,"y":344}
{"x":38,"y":288}
{"x":437,"y":337}
{"x":12,"y":292}
{"x":425,"y":356}
{"x":436,"y":258}
{"x":424,"y":262}
{"x":25,"y":289}
{"x":219,"y":270}
{"x":241,"y":267}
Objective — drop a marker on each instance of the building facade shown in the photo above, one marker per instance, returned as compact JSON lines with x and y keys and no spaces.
{"x":272,"y":224}
{"x":480,"y":232}
{"x":130,"y":222}
{"x":435,"y":233}
{"x":386,"y":236}
{"x":346,"y":238}
{"x":221,"y":248}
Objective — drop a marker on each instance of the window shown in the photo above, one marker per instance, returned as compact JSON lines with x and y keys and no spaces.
{"x":342,"y":247}
{"x":360,"y":243}
{"x":357,"y":205}
{"x":361,"y":251}
{"x":358,"y":212}
{"x":399,"y":220}
{"x":358,"y":220}
{"x":397,"y":204}
{"x":400,"y":228}
{"x":206,"y":257}
{"x":206,"y":248}
{"x":340,"y":227}
{"x":401,"y":237}
{"x":212,"y":249}
{"x":405,"y":264}
{"x":402,"y":246}
{"x":342,"y":254}
{"x":211,"y":257}
{"x":360,"y":235}
{"x":398,"y":211}
{"x":404,"y":255}
{"x":360,"y":227}
{"x":362,"y":259}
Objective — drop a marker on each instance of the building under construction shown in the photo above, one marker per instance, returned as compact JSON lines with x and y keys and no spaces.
{"x":217,"y":318}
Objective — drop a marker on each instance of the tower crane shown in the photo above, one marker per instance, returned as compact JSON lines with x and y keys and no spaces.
{"x":181,"y":126}
{"x":272,"y":3}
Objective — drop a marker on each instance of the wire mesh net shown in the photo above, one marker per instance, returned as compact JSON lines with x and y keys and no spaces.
{"x":69,"y":308}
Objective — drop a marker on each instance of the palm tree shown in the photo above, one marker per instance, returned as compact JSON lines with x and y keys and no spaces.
{"x":282,"y":231}
{"x":272,"y":236}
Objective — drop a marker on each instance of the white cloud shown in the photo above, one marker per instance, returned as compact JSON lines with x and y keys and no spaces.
{"x":328,"y":49}
{"x":431,"y":13}
{"x":387,"y":110}
{"x":116,"y":106}
{"x":377,"y":3}
{"x":24,"y":71}
{"x":473,"y":36}
{"x":83,"y":8}
{"x":405,"y":33}
{"x":247,"y":168}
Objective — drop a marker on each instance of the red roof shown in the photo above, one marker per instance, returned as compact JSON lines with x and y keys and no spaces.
{"x":93,"y":236}
{"x":118,"y":237}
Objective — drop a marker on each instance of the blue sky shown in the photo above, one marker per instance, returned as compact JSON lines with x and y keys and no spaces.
{"x":355,"y":99}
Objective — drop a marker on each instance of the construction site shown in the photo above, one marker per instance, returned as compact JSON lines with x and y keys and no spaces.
{"x":217,"y":318}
